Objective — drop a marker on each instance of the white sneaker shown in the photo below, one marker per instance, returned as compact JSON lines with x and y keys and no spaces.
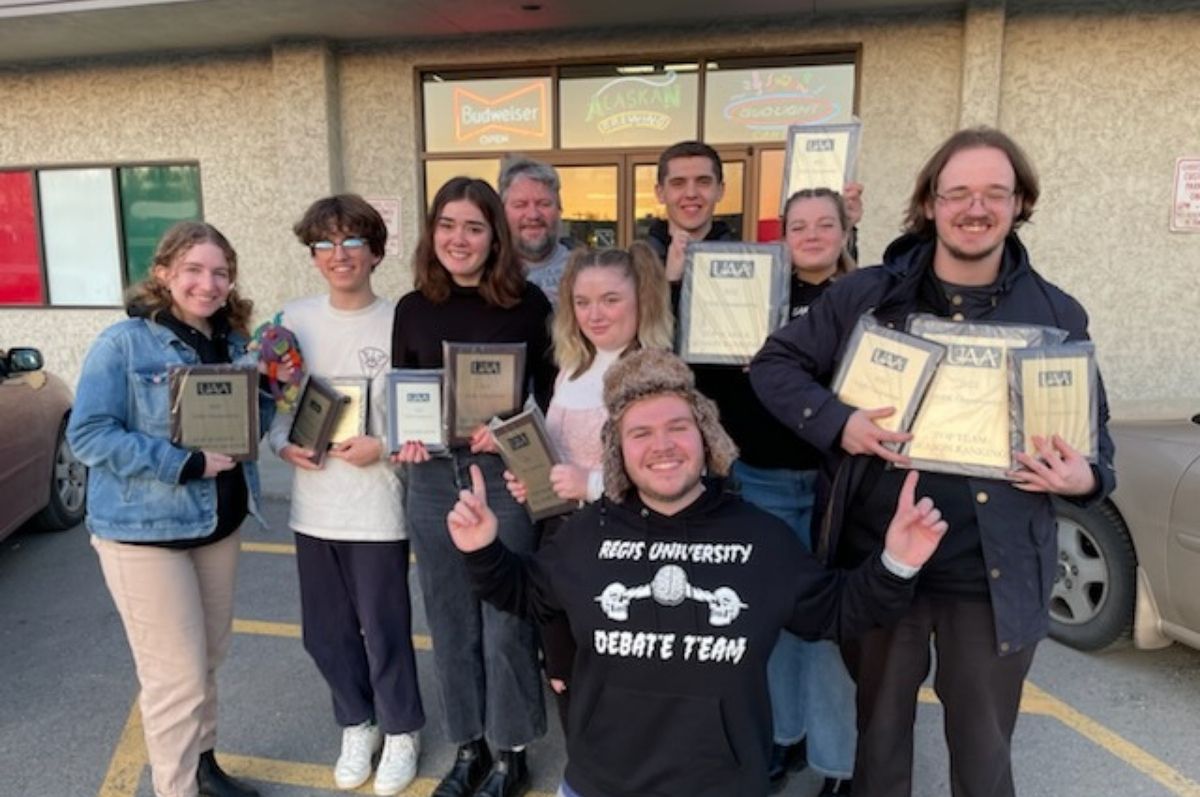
{"x":359,"y":743}
{"x":398,"y":764}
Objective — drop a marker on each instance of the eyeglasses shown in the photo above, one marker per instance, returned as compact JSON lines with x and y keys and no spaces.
{"x":326,"y":247}
{"x":963,"y":198}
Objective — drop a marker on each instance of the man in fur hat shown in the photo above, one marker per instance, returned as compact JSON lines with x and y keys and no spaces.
{"x":676,"y":591}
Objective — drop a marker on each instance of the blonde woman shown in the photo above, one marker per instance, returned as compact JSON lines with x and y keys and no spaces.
{"x":613,"y":301}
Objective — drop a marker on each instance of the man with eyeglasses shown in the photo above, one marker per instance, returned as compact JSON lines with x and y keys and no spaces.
{"x":983,"y":597}
{"x":351,"y":543}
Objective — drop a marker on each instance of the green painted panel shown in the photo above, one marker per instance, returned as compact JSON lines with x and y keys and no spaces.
{"x":152,"y":199}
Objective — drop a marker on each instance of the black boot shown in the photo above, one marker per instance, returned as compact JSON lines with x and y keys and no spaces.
{"x":471,"y":765}
{"x":785,"y":758}
{"x":215,"y":783}
{"x":509,"y":776}
{"x":834,"y":787}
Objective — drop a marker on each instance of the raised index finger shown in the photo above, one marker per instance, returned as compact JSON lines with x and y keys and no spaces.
{"x":908,"y":493}
{"x":478,"y":486}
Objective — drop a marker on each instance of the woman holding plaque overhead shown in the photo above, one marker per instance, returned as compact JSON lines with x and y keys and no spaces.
{"x":470,"y":289}
{"x":614,"y":301}
{"x":164,"y":519}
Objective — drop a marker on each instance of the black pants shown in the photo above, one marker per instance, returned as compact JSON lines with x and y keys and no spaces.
{"x":357,"y":624}
{"x":980,"y":693}
{"x":558,"y":645}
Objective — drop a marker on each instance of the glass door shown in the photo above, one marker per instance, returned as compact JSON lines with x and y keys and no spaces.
{"x":647,"y":208}
{"x":590,"y":203}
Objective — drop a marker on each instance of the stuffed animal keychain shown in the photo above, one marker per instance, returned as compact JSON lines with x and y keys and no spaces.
{"x":276,"y":346}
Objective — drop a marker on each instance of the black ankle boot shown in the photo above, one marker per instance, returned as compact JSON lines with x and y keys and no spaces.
{"x":509,"y":776}
{"x":471,"y":765}
{"x":785,"y":758}
{"x":215,"y":783}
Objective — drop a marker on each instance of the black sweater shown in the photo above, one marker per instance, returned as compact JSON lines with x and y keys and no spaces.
{"x":421,"y":325}
{"x":675,"y":618}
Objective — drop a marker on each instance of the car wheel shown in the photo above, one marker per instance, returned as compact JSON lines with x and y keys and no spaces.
{"x":1091,"y":605}
{"x":68,"y":489}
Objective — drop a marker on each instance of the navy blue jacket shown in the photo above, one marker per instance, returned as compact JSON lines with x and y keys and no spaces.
{"x":1017,"y":529}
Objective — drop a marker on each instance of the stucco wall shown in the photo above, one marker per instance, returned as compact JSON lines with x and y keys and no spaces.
{"x":217,"y":110}
{"x":1104,"y":99}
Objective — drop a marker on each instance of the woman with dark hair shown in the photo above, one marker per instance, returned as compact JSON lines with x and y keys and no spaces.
{"x":169,"y":557}
{"x":470,"y":289}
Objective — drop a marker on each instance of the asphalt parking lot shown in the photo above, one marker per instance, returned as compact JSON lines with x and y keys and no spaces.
{"x":1123,"y":722}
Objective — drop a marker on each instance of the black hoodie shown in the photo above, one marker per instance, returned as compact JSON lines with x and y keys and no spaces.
{"x":675,"y":617}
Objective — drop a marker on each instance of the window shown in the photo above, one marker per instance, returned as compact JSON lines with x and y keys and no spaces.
{"x":152,"y":199}
{"x":604,"y":124}
{"x":440,"y":172}
{"x":20,"y":264}
{"x":487,"y":114}
{"x":78,"y":236}
{"x":758,"y":103}
{"x":626,"y":106}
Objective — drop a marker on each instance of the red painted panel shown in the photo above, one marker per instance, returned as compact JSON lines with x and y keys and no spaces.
{"x":770,"y":230}
{"x":20,"y":266}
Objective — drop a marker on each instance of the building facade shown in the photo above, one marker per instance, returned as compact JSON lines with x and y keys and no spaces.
{"x":96,"y":150}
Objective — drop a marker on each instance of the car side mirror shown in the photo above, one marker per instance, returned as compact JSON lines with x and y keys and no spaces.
{"x":22,"y":360}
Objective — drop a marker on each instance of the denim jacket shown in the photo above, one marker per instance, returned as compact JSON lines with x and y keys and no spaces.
{"x":120,"y":428}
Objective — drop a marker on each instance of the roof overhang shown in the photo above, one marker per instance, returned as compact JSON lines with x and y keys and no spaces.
{"x":54,"y":30}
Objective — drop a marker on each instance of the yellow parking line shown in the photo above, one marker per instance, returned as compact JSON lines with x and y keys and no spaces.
{"x":313,"y":776}
{"x":128,"y":759}
{"x":264,"y":628}
{"x":287,"y":549}
{"x":1034,"y":700}
{"x":1044,"y":703}
{"x":269,"y":547}
{"x":292,"y":631}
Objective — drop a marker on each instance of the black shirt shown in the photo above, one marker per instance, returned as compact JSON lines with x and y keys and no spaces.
{"x":421,"y":325}
{"x":957,"y":567}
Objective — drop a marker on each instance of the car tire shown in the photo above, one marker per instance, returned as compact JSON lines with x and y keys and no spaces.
{"x":1095,"y":584}
{"x":68,"y":489}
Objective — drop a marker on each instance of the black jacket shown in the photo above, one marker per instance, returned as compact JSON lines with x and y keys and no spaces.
{"x":675,"y":618}
{"x":1017,"y":529}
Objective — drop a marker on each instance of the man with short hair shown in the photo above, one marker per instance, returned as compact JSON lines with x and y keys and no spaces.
{"x":346,"y":513}
{"x":676,"y":591}
{"x":690,"y":183}
{"x":983,"y":598}
{"x":531,"y":193}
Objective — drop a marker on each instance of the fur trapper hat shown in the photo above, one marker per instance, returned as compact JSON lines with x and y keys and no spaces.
{"x":651,"y":372}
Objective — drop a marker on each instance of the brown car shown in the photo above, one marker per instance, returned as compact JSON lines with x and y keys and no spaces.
{"x":40,"y":479}
{"x":1132,"y":564}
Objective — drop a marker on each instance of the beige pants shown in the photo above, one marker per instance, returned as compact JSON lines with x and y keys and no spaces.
{"x":177,"y":609}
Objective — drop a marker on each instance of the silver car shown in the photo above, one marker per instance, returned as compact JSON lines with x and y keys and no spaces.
{"x":1132,"y":564}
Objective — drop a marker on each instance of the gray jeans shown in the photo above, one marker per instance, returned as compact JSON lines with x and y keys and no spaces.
{"x":488,"y":677}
